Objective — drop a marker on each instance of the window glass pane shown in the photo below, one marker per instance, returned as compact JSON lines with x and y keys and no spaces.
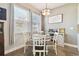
{"x":36,"y":22}
{"x":22,"y":25}
{"x":21,"y":20}
{"x":20,"y":13}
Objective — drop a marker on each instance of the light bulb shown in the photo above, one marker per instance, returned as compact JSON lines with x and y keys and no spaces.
{"x":46,"y":12}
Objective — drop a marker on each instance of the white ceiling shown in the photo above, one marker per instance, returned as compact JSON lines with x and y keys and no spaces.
{"x":41,"y":6}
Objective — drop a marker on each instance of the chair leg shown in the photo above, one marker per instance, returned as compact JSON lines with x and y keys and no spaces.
{"x":46,"y":50}
{"x":39,"y":53}
{"x":44,"y":54}
{"x":56,"y":49}
{"x":24,"y":49}
{"x":33,"y":53}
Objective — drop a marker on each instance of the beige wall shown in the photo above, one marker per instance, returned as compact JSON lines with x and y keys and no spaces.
{"x":69,"y":12}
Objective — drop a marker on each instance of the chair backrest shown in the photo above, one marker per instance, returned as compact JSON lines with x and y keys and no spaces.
{"x":59,"y":38}
{"x":38,"y":40}
{"x":55,"y":37}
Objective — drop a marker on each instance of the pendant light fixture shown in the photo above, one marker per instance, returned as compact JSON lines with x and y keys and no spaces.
{"x":46,"y":11}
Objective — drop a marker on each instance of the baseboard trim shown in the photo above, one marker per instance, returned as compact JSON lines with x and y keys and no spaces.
{"x":71,"y":45}
{"x":78,"y":49}
{"x":13,"y":49}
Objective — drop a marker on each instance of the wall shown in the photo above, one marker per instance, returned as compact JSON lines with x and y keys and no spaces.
{"x":69,"y":12}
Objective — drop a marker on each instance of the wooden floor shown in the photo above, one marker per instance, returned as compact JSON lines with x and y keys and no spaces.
{"x":62,"y":51}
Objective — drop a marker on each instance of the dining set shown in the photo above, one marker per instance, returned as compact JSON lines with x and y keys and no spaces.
{"x":41,"y":43}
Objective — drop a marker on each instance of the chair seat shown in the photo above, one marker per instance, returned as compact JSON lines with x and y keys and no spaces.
{"x":39,"y":47}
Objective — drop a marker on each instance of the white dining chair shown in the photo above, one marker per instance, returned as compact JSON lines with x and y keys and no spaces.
{"x":58,"y":41}
{"x":39,"y":44}
{"x":27,"y":38}
{"x":55,"y":38}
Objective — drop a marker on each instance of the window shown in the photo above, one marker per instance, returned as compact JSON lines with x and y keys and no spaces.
{"x":36,"y":22}
{"x":21,"y":20}
{"x":20,"y":24}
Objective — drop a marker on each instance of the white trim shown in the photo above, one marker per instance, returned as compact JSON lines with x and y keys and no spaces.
{"x":13,"y":49}
{"x":2,"y":20}
{"x":78,"y":48}
{"x":71,"y":45}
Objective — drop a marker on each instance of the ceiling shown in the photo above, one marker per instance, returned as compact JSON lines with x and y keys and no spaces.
{"x":41,"y":6}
